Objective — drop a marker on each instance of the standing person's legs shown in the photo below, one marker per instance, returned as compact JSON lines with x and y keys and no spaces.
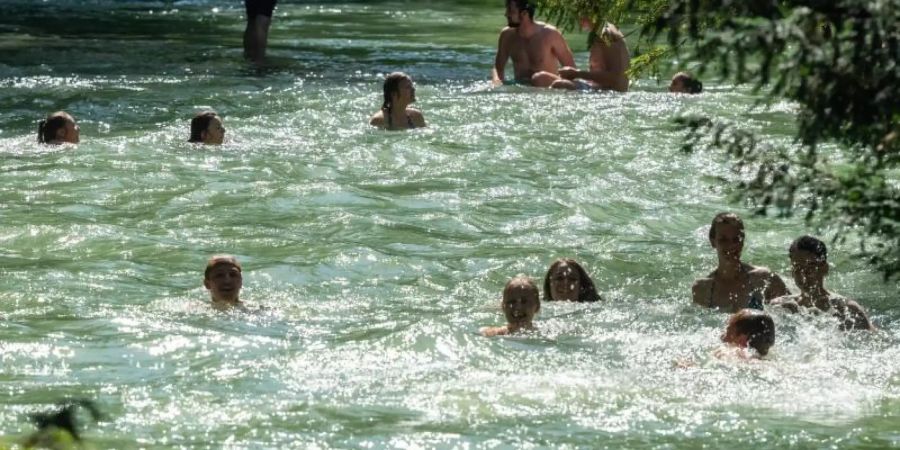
{"x":256,"y":35}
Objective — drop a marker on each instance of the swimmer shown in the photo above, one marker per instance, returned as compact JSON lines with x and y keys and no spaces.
{"x":207,"y":128}
{"x":685,"y":83}
{"x":566,"y":280}
{"x":608,"y":62}
{"x":734,"y":285}
{"x":256,"y":34}
{"x":395,"y":113}
{"x":59,"y":128}
{"x":749,"y":328}
{"x":224,"y":281}
{"x":809,"y":266}
{"x":535,"y":48}
{"x":521,"y":302}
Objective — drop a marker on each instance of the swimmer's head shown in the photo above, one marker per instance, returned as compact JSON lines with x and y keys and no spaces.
{"x":59,"y":128}
{"x":567,"y":280}
{"x":223,"y":278}
{"x":521,"y":301}
{"x":685,"y":83}
{"x":515,"y":9}
{"x":398,"y":90}
{"x":726,"y":235}
{"x":751,"y":328}
{"x":809,"y":262}
{"x":207,"y":128}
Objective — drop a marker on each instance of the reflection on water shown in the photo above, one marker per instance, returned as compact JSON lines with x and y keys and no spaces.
{"x":380,"y":255}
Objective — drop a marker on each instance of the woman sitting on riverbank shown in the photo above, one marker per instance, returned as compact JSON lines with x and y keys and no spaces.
{"x":59,"y":128}
{"x":395,"y":113}
{"x":566,"y":280}
{"x":734,"y":285}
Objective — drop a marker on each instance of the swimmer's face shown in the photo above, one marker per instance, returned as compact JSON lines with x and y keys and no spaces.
{"x":565,"y":284}
{"x":728,"y":240}
{"x":214,"y":133}
{"x":520,"y":303}
{"x":513,"y":15}
{"x":406,"y":92}
{"x":224,"y":283}
{"x":586,"y":24}
{"x":807,"y":269}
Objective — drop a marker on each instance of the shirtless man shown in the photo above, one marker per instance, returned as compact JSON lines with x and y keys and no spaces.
{"x":809,"y":266}
{"x":521,"y":302}
{"x":734,"y":285}
{"x":608,"y":62}
{"x":536,"y":49}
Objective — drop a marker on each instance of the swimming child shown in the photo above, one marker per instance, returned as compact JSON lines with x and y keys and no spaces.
{"x":224,"y":281}
{"x":734,"y":285}
{"x":809,"y":266}
{"x":395,"y":113}
{"x":59,"y":128}
{"x":207,"y":128}
{"x":749,"y":328}
{"x":685,"y":83}
{"x":521,"y":302}
{"x":567,"y":280}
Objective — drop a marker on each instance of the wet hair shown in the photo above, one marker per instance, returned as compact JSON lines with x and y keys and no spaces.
{"x":525,"y":283}
{"x":758,"y":326}
{"x":587,"y":292}
{"x":722,"y":218}
{"x":523,"y":5}
{"x":65,"y":418}
{"x":200,"y":123}
{"x":810,"y":244}
{"x":218,"y":260}
{"x":391,"y":86}
{"x":691,"y":84}
{"x":48,"y":127}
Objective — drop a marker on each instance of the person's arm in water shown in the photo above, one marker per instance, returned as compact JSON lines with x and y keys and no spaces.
{"x":494,"y":331}
{"x":786,"y":303}
{"x":775,"y":287}
{"x":497,"y":75}
{"x":377,"y":119}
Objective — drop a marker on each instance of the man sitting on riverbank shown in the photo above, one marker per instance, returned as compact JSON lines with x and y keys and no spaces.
{"x":223,"y":279}
{"x":608,"y":62}
{"x":536,"y":48}
{"x":809,"y":266}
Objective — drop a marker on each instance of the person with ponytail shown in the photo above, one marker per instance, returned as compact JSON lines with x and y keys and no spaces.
{"x":207,"y":128}
{"x":58,"y":128}
{"x":395,"y":113}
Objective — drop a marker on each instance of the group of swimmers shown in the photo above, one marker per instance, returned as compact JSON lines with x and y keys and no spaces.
{"x":734,"y":286}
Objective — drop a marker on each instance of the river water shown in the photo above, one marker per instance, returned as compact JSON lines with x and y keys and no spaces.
{"x":379,"y":255}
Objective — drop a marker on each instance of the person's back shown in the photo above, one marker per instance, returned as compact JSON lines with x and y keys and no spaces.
{"x":609,"y":55}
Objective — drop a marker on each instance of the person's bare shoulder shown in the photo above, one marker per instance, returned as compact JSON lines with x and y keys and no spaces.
{"x":507,"y":33}
{"x":787,"y":302}
{"x":377,"y":119}
{"x":416,"y":116}
{"x":855,"y":316}
{"x":494,"y":331}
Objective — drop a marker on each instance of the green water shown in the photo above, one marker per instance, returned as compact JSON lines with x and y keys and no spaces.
{"x":380,"y":255}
